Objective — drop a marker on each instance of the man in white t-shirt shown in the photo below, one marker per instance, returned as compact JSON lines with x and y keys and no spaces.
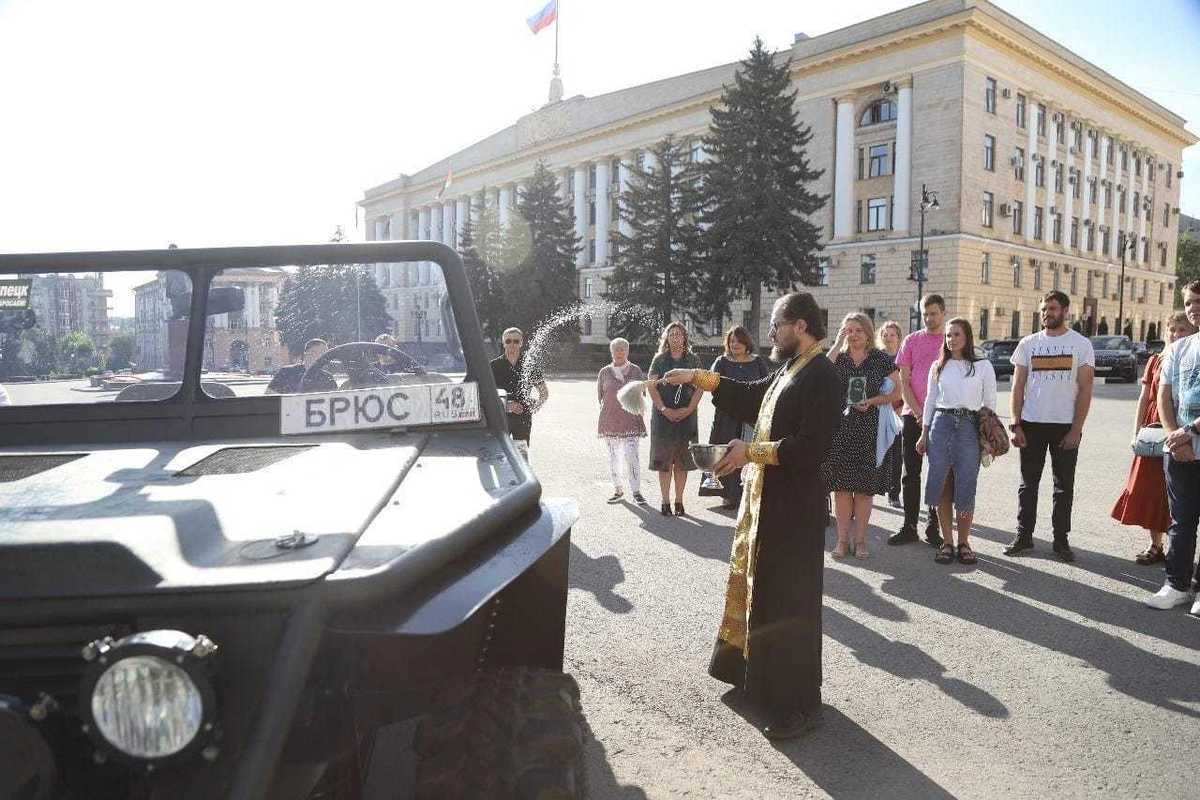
{"x":1051,"y":395}
{"x":1179,"y":410}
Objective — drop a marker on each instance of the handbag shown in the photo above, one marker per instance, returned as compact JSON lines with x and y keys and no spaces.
{"x":992,"y":432}
{"x":1150,"y":441}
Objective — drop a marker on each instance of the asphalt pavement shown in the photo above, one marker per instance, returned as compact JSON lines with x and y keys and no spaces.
{"x":1019,"y":678}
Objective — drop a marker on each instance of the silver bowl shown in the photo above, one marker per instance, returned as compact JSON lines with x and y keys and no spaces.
{"x":707,"y":456}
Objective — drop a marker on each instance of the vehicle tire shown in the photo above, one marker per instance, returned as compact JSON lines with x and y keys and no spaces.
{"x":506,"y":733}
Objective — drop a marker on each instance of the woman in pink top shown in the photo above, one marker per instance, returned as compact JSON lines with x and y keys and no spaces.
{"x":619,"y":429}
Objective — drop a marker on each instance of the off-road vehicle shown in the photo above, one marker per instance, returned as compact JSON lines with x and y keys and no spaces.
{"x":209,"y":591}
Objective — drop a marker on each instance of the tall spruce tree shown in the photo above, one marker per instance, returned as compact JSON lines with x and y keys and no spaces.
{"x":544,"y":280}
{"x":480,"y":254}
{"x":337,"y":302}
{"x":756,"y":196}
{"x":660,"y":264}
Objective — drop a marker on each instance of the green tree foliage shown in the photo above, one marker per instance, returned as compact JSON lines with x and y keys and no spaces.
{"x":757,"y":201}
{"x":1187,"y":265}
{"x":78,"y":350}
{"x":45,"y":352}
{"x":336,"y":302}
{"x":542,"y":237}
{"x":660,"y":265}
{"x":121,"y":351}
{"x":481,"y":254}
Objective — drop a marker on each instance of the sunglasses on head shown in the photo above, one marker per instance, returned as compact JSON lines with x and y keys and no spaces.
{"x":512,"y":341}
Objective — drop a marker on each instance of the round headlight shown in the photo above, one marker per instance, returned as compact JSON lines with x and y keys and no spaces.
{"x":147,"y":707}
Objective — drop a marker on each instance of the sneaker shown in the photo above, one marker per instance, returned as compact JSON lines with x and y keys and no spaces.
{"x":905,"y":535}
{"x":1063,"y":548}
{"x":617,"y":496}
{"x":637,"y":498}
{"x":1195,"y":612}
{"x":1019,"y":544}
{"x":1168,"y":597}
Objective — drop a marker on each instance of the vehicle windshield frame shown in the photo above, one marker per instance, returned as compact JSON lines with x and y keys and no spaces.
{"x":183,"y":416}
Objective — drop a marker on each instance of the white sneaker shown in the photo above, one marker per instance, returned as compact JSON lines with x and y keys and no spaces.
{"x":1168,"y":597}
{"x":1195,"y":612}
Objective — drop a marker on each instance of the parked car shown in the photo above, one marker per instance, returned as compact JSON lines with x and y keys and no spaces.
{"x":986,"y":345}
{"x":999,"y":354}
{"x":1154,"y":347}
{"x":1115,"y":358}
{"x":354,"y":593}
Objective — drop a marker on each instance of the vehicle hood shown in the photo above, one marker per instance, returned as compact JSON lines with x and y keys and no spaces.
{"x":176,"y":516}
{"x":1115,"y":353}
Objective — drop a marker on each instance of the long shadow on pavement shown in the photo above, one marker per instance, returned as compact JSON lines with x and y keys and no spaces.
{"x":600,"y":576}
{"x":704,"y":539}
{"x":846,"y":761}
{"x":1158,"y":680}
{"x":601,"y":783}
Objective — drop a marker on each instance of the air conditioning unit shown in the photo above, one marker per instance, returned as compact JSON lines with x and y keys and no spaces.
{"x":1072,"y":180}
{"x":1054,"y":162}
{"x":1058,"y":117}
{"x":1001,"y":311}
{"x":1175,"y":210}
{"x":1005,"y":210}
{"x":1072,"y":150}
{"x":889,"y":87}
{"x":1006,"y":92}
{"x":1066,"y":268}
{"x":1015,"y":161}
{"x":1179,"y":174}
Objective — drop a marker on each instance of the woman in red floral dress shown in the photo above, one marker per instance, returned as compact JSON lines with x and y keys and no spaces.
{"x":1143,"y":502}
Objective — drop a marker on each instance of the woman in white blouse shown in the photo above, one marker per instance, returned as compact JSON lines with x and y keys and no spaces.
{"x":958,"y":387}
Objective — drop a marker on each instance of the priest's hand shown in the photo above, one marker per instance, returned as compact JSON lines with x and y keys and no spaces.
{"x":679,"y":377}
{"x":734,"y":460}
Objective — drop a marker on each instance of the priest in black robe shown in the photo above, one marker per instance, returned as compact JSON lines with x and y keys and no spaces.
{"x":769,"y":642}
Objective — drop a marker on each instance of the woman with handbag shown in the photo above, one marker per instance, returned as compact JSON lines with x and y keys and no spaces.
{"x":959,"y":386}
{"x":739,"y":362}
{"x":890,"y":338}
{"x":1143,"y":502}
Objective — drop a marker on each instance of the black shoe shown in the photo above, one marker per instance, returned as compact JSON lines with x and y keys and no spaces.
{"x":1019,"y":544}
{"x":906,"y":534}
{"x":678,"y":509}
{"x":637,"y":498}
{"x":790,"y":727}
{"x":933,"y":536}
{"x":666,"y":509}
{"x":1064,"y":551}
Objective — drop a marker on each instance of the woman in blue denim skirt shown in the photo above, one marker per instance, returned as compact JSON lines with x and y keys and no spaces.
{"x":958,"y":387}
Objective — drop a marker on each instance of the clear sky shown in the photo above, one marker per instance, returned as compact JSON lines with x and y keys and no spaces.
{"x":135,"y":123}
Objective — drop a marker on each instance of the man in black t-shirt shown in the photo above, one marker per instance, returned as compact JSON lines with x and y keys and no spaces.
{"x":508,"y":370}
{"x":287,"y":379}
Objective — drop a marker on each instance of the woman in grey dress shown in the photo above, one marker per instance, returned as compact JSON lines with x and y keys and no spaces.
{"x":673,"y":422}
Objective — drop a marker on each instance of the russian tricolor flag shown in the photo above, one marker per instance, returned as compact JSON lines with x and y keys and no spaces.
{"x":543,"y":18}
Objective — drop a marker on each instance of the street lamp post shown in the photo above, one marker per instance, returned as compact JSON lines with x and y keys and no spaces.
{"x":929,"y":202}
{"x":419,"y":315}
{"x":1125,"y":242}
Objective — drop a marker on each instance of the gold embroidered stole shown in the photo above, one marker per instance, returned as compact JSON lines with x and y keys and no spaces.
{"x":739,"y":592}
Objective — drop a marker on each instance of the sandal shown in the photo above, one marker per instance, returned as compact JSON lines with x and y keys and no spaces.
{"x":860,"y":548}
{"x":1151,"y":555}
{"x":945,"y":554}
{"x":841,"y":549}
{"x":966,"y":555}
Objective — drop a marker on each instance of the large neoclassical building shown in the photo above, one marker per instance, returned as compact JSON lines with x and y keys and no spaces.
{"x":1041,"y":163}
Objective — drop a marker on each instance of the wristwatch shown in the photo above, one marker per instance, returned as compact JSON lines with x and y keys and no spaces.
{"x":1014,"y":426}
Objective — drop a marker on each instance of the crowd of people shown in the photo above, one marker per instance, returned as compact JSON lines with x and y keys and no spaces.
{"x":859,"y":420}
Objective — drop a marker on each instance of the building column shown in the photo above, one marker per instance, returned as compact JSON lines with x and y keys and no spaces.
{"x":603,"y":212}
{"x":581,"y":221}
{"x":503,"y":205}
{"x":1068,"y":165}
{"x":460,"y":220}
{"x":1101,"y":190}
{"x":623,"y":173}
{"x":902,"y":189}
{"x":1087,"y":172}
{"x":435,"y":222}
{"x":1030,"y":165}
{"x":449,"y":237}
{"x":843,"y":170}
{"x":1141,"y":212}
{"x":423,"y":222}
{"x":379,"y":230}
{"x":1116,"y":203}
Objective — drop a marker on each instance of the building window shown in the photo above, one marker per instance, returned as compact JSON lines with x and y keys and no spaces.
{"x":1041,"y":120}
{"x":591,"y":251}
{"x":1111,"y":151}
{"x":876,"y":214}
{"x":984,"y":318}
{"x":1166,"y":215}
{"x":1037,"y":273}
{"x":1016,"y":267}
{"x":1037,"y":223}
{"x":1091,"y":237}
{"x":1104,"y":284}
{"x":989,"y":203}
{"x":1075,"y":281}
{"x":591,"y":176}
{"x":989,"y":152}
{"x":989,"y":95}
{"x":1091,"y":284}
{"x":1092,"y":192}
{"x":1104,"y":240}
{"x":1121,"y":195}
{"x":1056,"y":221}
{"x":1160,"y":291}
{"x":1060,"y":130}
{"x":1055,"y":277}
{"x":985,"y":272}
{"x":1074,"y":181}
{"x":587,"y":325}
{"x":877,"y":112}
{"x":867,"y":270}
{"x":1124,"y":159}
{"x":591,"y":212}
{"x":823,"y":265}
{"x":880,"y":165}
{"x":1150,"y":168}
{"x":1018,"y":212}
{"x":858,"y":216}
{"x":861,"y":172}
{"x":1019,"y":164}
{"x":1162,"y":258}
{"x":1020,"y":111}
{"x":1145,"y":251}
{"x":1074,"y":231}
{"x":1170,"y":174}
{"x":587,"y":288}
{"x":1039,"y":171}
{"x":1137,"y":208}
{"x":1145,"y":289}
{"x":1108,"y":195}
{"x":1058,"y":178}
{"x":1137,"y":165}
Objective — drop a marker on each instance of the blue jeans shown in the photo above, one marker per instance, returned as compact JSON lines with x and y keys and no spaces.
{"x":953,"y":445}
{"x":1183,"y":494}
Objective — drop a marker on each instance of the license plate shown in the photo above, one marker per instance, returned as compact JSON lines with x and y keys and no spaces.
{"x":379,"y":407}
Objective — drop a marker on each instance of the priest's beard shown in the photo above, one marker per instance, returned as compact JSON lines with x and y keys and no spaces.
{"x":784,"y":352}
